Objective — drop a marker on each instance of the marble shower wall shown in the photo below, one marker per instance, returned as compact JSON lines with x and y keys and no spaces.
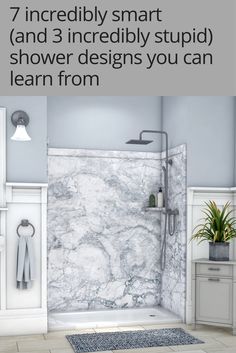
{"x":173,"y":292}
{"x":103,"y":248}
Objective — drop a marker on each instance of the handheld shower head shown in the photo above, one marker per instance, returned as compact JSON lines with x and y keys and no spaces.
{"x":139,"y":142}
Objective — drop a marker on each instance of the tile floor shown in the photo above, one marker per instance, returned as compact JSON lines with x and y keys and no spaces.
{"x":216,"y":340}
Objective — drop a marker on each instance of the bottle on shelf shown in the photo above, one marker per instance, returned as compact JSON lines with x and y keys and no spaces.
{"x":160,"y":198}
{"x":152,"y":201}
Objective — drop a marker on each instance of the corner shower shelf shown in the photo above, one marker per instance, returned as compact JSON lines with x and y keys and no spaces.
{"x":3,"y":209}
{"x":154,"y":209}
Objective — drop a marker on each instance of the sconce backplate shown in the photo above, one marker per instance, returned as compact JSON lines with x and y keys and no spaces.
{"x":19,"y":114}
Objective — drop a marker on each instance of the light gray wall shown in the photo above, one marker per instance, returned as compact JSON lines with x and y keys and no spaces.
{"x":207,"y":126}
{"x":102,"y":122}
{"x":27,"y":161}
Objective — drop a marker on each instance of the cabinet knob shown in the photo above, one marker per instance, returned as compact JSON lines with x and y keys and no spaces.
{"x":214,"y":279}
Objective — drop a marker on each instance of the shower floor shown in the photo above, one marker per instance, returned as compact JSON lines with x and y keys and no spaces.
{"x":111,"y":318}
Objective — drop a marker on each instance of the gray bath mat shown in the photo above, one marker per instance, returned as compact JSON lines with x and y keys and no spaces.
{"x":109,"y":341}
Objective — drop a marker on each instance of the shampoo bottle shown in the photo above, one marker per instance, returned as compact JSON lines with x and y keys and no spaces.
{"x":160,"y":199}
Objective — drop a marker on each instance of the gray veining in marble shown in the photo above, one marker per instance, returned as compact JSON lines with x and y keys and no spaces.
{"x":173,"y":293}
{"x":103,"y":248}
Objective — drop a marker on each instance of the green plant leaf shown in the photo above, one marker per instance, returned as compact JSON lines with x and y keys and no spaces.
{"x":218,"y":225}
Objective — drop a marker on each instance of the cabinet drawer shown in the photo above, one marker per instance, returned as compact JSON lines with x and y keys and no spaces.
{"x":214,"y":270}
{"x":214,"y":300}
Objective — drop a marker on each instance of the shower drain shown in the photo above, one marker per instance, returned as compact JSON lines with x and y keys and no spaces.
{"x":152,"y":315}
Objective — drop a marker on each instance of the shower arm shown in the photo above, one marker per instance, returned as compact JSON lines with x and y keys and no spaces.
{"x":166,"y":160}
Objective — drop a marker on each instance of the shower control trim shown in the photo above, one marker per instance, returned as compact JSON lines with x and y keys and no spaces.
{"x":171,"y":212}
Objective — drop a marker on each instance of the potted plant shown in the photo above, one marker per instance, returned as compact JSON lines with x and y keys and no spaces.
{"x":218,"y":229}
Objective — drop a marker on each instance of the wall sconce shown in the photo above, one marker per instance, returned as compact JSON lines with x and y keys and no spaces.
{"x":20,"y":120}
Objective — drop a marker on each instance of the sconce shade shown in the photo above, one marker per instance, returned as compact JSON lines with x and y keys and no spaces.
{"x":20,"y":120}
{"x":21,"y":134}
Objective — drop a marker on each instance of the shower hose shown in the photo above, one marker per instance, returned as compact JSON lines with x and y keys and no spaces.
{"x":171,"y":231}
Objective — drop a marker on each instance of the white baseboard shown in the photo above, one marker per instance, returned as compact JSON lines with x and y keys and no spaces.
{"x":23,"y":324}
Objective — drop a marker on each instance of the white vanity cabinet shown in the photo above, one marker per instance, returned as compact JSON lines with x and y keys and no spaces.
{"x":214,"y":293}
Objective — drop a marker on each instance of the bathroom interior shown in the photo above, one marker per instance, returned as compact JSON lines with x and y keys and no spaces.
{"x":112,"y":188}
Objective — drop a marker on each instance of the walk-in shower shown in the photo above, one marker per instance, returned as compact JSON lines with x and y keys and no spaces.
{"x":170,"y":214}
{"x":104,"y":245}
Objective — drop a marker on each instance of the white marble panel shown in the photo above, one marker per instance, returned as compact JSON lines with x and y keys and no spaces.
{"x":173,"y":293}
{"x":103,"y":248}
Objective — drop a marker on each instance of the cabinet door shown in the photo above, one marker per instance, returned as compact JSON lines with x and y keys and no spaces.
{"x":214,"y":300}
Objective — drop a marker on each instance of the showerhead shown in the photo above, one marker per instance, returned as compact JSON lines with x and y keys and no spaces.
{"x":139,"y":142}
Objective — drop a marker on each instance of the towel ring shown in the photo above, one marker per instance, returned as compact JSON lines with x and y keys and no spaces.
{"x":25,"y":223}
